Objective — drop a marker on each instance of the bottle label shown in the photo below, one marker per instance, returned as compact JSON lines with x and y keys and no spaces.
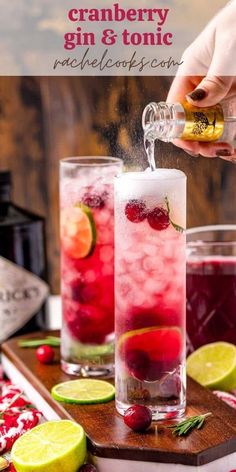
{"x":21,"y":296}
{"x":203,"y":124}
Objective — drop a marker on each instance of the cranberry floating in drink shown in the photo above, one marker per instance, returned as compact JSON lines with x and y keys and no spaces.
{"x":87,"y":264}
{"x":150,"y":291}
{"x":211,"y":285}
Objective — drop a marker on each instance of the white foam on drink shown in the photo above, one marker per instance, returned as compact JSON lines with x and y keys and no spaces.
{"x":149,"y":183}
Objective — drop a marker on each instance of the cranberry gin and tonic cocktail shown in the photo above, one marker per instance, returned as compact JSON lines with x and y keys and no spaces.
{"x":87,"y":264}
{"x":150,"y":286}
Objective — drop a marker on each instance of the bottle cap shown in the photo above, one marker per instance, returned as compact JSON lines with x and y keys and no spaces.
{"x":5,"y":177}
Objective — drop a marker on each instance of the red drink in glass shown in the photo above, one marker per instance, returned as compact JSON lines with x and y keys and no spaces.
{"x":87,"y":264}
{"x":150,"y":296}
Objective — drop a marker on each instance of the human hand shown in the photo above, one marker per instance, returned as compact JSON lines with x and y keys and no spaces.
{"x":212,"y":54}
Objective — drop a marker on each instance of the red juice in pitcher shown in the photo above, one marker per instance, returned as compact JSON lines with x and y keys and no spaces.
{"x":211,"y":285}
{"x":211,"y":300}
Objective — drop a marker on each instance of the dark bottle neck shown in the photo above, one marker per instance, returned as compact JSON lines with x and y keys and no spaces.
{"x":5,"y":193}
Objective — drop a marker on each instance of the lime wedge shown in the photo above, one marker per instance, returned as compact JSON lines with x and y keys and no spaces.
{"x":50,"y":447}
{"x":214,"y":366}
{"x":150,"y":352}
{"x":84,"y":391}
{"x":78,"y":231}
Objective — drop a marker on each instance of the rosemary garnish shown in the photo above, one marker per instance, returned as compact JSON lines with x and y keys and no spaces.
{"x":186,"y":426}
{"x":175,"y":226}
{"x":48,"y":341}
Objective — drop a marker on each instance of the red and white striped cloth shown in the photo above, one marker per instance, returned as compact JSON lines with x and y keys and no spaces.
{"x":23,"y":416}
{"x":20,"y":417}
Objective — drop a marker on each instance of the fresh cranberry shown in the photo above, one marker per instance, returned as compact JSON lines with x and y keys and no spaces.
{"x":138,"y":418}
{"x":136,"y":211}
{"x":88,"y":468}
{"x":82,"y":292}
{"x":45,"y":354}
{"x":162,"y":346}
{"x":138,"y":364}
{"x":89,"y":324}
{"x":158,"y":219}
{"x":92,"y":200}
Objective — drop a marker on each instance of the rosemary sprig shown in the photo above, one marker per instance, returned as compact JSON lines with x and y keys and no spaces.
{"x":186,"y":426}
{"x":48,"y":341}
{"x":177,"y":227}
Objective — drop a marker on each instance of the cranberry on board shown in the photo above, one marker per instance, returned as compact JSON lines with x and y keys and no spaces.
{"x":45,"y":354}
{"x":138,"y":418}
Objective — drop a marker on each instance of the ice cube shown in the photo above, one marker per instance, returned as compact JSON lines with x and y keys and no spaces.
{"x":106,"y":254}
{"x":90,"y":276}
{"x":107,"y":269}
{"x":102,"y":217}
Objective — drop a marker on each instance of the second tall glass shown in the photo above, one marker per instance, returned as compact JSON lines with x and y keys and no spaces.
{"x":150,"y":281}
{"x":87,"y":260}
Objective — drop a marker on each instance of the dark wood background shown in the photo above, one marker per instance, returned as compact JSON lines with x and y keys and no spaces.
{"x":45,"y":119}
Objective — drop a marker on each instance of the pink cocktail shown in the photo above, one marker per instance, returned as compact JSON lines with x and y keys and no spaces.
{"x":87,"y":264}
{"x":150,"y":291}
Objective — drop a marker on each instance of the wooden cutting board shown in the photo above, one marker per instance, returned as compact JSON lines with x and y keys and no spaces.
{"x":108,"y":437}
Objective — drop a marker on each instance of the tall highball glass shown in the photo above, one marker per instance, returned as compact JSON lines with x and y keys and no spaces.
{"x":87,"y":264}
{"x":150,"y":287}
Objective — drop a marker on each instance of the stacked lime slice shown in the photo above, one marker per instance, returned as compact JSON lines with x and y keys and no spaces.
{"x":84,"y":391}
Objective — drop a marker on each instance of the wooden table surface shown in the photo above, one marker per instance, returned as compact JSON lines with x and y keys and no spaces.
{"x":109,"y":437}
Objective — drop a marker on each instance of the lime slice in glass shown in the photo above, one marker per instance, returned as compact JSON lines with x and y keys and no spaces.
{"x":52,"y":446}
{"x":214,"y":366}
{"x":78,"y":231}
{"x":84,"y":391}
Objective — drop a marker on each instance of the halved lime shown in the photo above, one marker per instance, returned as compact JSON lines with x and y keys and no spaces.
{"x":50,"y":447}
{"x":84,"y":391}
{"x":214,"y":366}
{"x":78,"y":231}
{"x":150,"y":352}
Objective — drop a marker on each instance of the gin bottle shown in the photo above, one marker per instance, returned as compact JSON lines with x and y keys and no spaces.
{"x":168,"y":121}
{"x":23,"y":268}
